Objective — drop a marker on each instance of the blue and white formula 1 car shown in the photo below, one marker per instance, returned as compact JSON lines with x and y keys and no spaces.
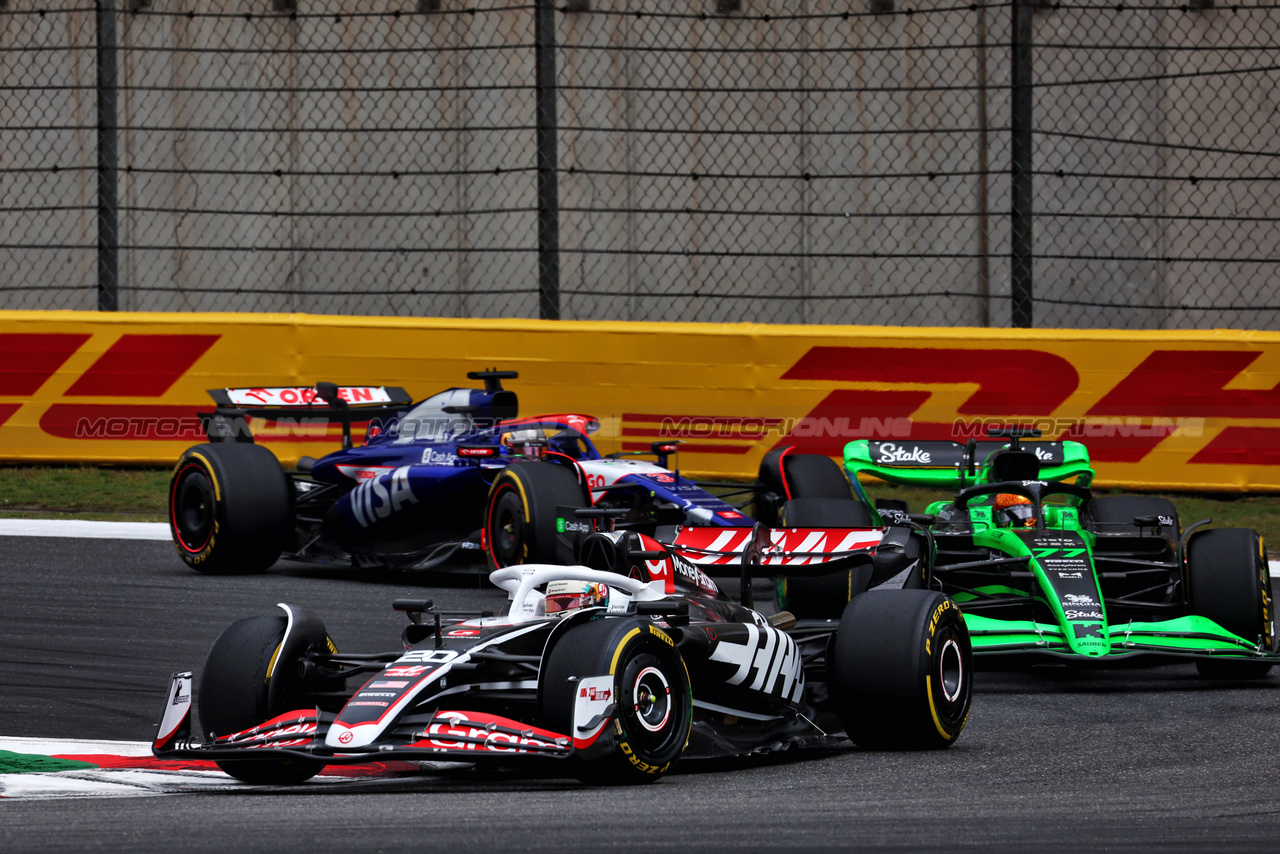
{"x":619,"y":673}
{"x":458,"y":470}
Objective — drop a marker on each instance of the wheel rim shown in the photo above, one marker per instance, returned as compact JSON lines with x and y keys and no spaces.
{"x":653,"y":713}
{"x":506,"y":528}
{"x":951,"y":670}
{"x":651,"y":699}
{"x":193,"y":509}
{"x":951,"y":698}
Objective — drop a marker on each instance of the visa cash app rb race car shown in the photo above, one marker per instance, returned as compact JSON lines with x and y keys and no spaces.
{"x":458,"y":470}
{"x":1046,"y":571}
{"x":617,"y":672}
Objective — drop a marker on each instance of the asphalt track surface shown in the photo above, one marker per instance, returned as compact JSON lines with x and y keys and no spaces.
{"x":1061,"y":761}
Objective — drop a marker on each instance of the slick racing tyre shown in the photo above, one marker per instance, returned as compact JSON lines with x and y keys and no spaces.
{"x":809,"y":490}
{"x":822,"y":597}
{"x":1111,"y":518}
{"x":236,"y":694}
{"x":785,"y":476}
{"x":652,"y":711}
{"x":1230,"y":584}
{"x":230,"y":508}
{"x":901,"y":670}
{"x":1115,"y":513}
{"x":520,"y":517}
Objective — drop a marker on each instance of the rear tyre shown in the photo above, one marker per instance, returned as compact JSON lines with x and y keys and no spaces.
{"x":520,"y":516}
{"x":230,"y":508}
{"x":822,"y":597}
{"x":234,"y":696}
{"x":1115,"y":513}
{"x":653,"y":706}
{"x":1230,"y":584}
{"x":786,"y":476}
{"x":901,"y":670}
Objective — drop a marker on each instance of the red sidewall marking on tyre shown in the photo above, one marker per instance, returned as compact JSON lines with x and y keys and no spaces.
{"x":173,"y":518}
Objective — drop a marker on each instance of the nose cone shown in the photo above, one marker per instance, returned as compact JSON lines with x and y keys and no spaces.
{"x":1088,"y":639}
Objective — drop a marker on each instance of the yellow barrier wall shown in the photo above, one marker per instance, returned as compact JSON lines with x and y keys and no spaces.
{"x":1192,"y":410}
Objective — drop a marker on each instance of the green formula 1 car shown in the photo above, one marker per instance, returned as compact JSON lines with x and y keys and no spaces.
{"x":1044,"y":571}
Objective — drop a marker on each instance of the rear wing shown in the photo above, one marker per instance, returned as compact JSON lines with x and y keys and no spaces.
{"x":762,"y":552}
{"x":943,"y":464}
{"x":769,"y":550}
{"x":326,"y":403}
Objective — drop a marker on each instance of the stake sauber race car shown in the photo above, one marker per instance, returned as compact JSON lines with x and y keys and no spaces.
{"x":617,"y":669}
{"x":1047,"y":572}
{"x":458,"y":470}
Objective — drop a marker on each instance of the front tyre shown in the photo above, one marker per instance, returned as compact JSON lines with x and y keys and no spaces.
{"x":230,"y":508}
{"x":901,"y":670}
{"x":1230,"y":583}
{"x":653,"y":703}
{"x":520,"y":516}
{"x":235,"y":695}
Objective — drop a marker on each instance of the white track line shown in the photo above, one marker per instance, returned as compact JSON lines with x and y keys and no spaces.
{"x":141,"y":782}
{"x":81,"y":528}
{"x":118,"y":783}
{"x":73,"y":746}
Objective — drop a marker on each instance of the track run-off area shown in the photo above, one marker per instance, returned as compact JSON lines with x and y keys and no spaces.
{"x":95,"y":616}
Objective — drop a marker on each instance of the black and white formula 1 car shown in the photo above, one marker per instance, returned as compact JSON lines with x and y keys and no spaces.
{"x":619,"y":673}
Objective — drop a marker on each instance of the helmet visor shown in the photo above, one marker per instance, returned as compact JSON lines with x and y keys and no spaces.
{"x":564,"y":596}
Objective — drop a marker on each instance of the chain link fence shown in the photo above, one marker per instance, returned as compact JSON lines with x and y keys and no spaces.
{"x":800,"y":161}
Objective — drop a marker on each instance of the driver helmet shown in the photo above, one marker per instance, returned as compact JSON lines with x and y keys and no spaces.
{"x":528,"y":441}
{"x":566,"y":596}
{"x":1014,"y":511}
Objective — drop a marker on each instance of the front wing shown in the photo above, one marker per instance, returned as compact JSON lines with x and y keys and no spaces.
{"x":1186,"y":638}
{"x":457,"y":735}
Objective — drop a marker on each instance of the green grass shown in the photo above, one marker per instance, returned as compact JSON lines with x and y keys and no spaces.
{"x":84,"y":492}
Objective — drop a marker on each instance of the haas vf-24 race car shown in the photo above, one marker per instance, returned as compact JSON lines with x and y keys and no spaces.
{"x":458,"y":470}
{"x":618,"y":672}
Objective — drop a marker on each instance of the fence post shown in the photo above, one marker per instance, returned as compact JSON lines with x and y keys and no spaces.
{"x":1022,"y":246}
{"x":108,"y":212}
{"x":548,"y":193}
